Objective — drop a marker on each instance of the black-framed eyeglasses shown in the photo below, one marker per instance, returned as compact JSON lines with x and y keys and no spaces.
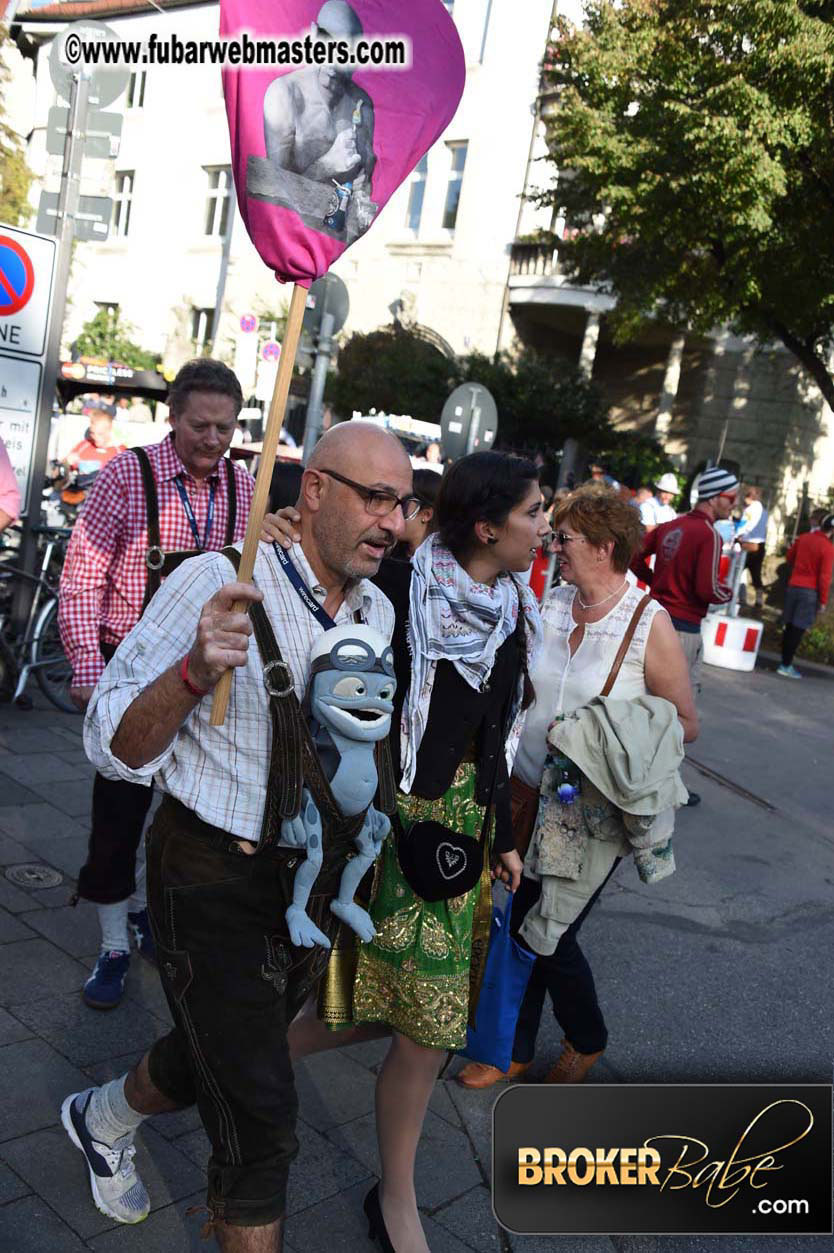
{"x":379,"y":504}
{"x":562,"y":538}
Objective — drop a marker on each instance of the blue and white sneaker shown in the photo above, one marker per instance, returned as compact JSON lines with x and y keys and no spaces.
{"x":105,"y":986}
{"x":788,"y":672}
{"x":140,"y":928}
{"x":117,"y":1190}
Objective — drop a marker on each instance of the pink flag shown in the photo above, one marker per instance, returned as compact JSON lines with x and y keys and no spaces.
{"x":319,"y":145}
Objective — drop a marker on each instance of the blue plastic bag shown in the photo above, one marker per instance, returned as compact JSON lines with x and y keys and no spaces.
{"x":507,"y":973}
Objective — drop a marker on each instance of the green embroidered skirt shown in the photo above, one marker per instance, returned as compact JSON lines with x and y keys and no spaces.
{"x":422,"y":972}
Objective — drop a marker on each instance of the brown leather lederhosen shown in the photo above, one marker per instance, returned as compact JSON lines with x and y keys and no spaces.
{"x":158,"y":562}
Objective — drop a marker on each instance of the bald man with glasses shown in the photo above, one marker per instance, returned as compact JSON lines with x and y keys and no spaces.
{"x":233,"y":979}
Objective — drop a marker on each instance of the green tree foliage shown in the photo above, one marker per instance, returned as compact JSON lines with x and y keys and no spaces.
{"x":393,"y":371}
{"x":542,"y":400}
{"x":15,"y":176}
{"x":109,"y":337}
{"x":699,"y":144}
{"x":635,"y":459}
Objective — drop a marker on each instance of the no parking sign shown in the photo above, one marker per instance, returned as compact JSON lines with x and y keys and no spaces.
{"x":26,"y":263}
{"x":26,"y":276}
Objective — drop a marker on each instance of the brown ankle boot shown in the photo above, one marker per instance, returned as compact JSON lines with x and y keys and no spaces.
{"x":480,"y":1075}
{"x":572,"y":1067}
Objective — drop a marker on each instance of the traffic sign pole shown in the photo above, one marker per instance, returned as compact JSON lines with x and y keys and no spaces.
{"x":328,"y":305}
{"x":67,"y":207}
{"x":315,"y":417}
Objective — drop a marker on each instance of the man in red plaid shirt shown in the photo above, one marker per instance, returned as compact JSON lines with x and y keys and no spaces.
{"x":106,"y":581}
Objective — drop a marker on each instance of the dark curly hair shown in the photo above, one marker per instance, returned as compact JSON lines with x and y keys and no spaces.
{"x":602,"y":516}
{"x":484,"y":487}
{"x":203,"y":374}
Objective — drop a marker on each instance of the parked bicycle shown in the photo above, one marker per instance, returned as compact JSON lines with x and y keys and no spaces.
{"x":37,"y":649}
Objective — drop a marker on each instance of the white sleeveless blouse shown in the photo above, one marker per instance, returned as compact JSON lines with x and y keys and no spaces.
{"x":564,"y":683}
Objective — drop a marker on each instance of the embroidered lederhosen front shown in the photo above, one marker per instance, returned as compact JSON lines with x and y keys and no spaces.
{"x":158,"y":562}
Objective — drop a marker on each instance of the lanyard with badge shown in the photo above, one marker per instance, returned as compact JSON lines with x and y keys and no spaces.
{"x":304,"y":594}
{"x":189,"y":510}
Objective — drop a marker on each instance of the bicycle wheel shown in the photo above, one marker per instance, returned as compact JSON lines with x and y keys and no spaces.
{"x":54,"y":672}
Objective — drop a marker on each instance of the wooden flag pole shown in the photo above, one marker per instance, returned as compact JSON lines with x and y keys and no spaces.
{"x":275,"y":421}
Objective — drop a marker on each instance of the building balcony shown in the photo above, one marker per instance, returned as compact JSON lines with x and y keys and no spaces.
{"x":536,"y":279}
{"x":536,"y":260}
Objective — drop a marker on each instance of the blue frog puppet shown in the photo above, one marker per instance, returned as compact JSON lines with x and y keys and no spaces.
{"x":350,"y":696}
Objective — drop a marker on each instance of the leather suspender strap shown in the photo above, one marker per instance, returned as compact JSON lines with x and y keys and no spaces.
{"x":283,"y":793}
{"x":231,"y":514}
{"x":624,"y":644}
{"x":154,"y":557}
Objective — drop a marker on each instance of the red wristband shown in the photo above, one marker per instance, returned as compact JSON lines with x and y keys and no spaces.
{"x":199,"y":692}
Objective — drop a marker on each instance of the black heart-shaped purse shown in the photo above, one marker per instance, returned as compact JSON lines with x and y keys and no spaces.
{"x":438,"y":863}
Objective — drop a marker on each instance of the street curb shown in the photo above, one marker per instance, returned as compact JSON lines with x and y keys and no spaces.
{"x":811,"y":669}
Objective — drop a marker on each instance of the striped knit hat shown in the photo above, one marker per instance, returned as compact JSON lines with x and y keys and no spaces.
{"x":715,"y":481}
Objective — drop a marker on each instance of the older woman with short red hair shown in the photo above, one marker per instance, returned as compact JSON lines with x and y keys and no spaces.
{"x":586,"y":620}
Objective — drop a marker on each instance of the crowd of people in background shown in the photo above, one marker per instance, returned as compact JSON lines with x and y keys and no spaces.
{"x":502,"y":737}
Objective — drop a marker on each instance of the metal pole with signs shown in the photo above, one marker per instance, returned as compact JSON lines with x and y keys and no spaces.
{"x":74,"y":217}
{"x":27,"y":271}
{"x":326,"y":312}
{"x":67,"y":207}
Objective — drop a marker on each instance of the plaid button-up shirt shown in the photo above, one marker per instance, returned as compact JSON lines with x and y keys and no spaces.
{"x":104,"y":577}
{"x":219,"y":772}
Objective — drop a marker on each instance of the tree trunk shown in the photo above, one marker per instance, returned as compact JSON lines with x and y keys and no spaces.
{"x":806,"y":356}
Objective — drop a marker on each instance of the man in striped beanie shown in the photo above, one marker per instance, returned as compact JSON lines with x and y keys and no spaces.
{"x":687,"y":552}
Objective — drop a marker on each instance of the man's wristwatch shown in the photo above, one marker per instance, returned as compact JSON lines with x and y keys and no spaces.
{"x":199,"y":692}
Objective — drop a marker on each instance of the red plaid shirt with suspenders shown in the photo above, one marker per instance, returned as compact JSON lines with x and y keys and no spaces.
{"x":133,"y":530}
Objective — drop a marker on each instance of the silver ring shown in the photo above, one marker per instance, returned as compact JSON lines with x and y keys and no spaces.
{"x":155,"y":558}
{"x":274,"y":691}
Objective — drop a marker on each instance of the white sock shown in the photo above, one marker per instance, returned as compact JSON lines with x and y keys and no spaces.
{"x":139,"y":899}
{"x":113,"y":922}
{"x":109,"y":1117}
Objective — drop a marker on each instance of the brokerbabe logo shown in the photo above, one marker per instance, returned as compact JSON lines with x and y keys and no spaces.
{"x":654,"y":1159}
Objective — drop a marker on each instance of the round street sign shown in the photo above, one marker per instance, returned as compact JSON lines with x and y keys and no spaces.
{"x":271,"y":350}
{"x":17,"y":277}
{"x":469,"y":421}
{"x":248,"y":323}
{"x":65,"y":61}
{"x":327,"y":295}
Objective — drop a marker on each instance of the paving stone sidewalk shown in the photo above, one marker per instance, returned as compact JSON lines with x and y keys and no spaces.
{"x":51,"y":1044}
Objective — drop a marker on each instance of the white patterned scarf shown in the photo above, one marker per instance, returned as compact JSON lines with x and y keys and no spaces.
{"x":453,"y":618}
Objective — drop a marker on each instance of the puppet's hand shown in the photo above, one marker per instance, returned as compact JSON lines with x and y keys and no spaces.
{"x":381,"y":827}
{"x":304,"y":831}
{"x":356,"y":918}
{"x":303,"y":931}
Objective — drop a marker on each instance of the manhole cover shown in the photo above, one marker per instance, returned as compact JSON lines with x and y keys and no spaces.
{"x":34,"y":875}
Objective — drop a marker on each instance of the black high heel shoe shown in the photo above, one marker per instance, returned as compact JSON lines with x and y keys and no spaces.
{"x":376,"y":1223}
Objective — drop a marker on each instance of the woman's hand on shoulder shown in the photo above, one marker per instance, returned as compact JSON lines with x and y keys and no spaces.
{"x":281,"y":527}
{"x":509,"y":871}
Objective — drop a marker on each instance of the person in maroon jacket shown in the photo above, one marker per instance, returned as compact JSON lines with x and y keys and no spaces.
{"x":812,"y":558}
{"x":687,"y":552}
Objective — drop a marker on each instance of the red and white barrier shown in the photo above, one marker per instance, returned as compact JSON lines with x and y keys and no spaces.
{"x":732,"y":643}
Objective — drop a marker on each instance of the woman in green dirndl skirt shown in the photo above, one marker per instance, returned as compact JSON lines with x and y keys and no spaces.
{"x":466,"y":632}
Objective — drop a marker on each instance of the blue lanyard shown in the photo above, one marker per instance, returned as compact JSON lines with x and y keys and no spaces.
{"x":306,"y":596}
{"x":189,"y":511}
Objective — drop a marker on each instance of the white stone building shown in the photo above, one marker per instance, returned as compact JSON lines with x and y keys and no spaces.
{"x":448,"y":252}
{"x":439,"y":253}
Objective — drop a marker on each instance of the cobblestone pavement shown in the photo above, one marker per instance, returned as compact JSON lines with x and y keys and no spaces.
{"x":712,"y":975}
